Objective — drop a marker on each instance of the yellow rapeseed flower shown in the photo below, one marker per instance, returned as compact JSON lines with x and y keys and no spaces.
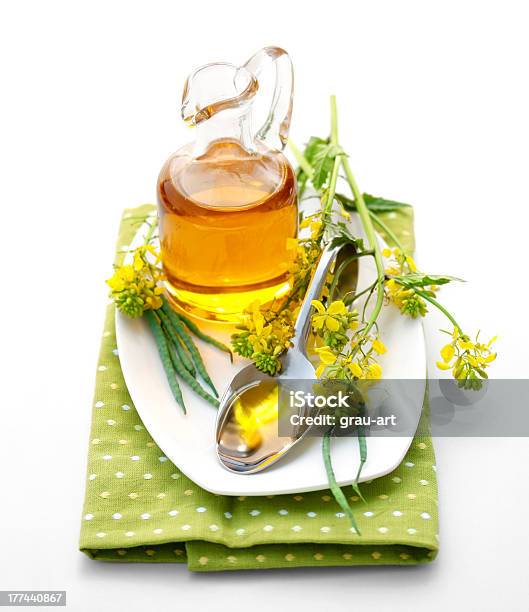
{"x":379,"y":346}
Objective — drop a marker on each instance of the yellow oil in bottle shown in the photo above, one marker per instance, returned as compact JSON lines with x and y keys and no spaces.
{"x":225,"y":218}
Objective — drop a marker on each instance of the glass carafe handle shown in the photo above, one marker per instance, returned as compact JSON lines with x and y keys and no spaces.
{"x":274,"y":131}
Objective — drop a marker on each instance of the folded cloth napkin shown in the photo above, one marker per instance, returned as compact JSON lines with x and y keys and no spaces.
{"x":140,"y":507}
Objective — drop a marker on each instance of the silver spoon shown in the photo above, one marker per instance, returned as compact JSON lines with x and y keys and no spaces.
{"x":234,"y":451}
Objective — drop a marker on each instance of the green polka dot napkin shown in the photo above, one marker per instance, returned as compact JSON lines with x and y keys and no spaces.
{"x":140,"y":507}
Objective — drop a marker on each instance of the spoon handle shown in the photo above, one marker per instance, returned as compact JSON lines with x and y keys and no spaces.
{"x":302,"y":327}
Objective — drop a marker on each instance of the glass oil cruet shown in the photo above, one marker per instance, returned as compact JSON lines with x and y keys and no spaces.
{"x":228,"y":203}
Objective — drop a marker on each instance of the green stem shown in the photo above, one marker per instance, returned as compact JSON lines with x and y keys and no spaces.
{"x":301,"y":159}
{"x":333,"y":485}
{"x":391,"y":235}
{"x":363,"y":212}
{"x":435,"y":303}
{"x":341,"y":268}
{"x":355,"y":296}
{"x":151,"y":229}
{"x":337,"y":160}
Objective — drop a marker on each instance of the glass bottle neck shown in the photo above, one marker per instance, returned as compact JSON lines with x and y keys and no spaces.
{"x":225,"y":125}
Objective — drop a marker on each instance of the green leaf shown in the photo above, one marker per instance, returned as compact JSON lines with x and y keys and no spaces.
{"x":322,"y":162}
{"x":341,"y":235}
{"x":419,"y":279}
{"x":373,"y":203}
{"x":313,"y":145}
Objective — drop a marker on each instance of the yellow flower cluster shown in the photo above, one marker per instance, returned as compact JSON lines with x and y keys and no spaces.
{"x":332,"y":322}
{"x":341,"y":355}
{"x":305,"y":255}
{"x":405,"y":299}
{"x":468,"y":360}
{"x":265,"y":335}
{"x":136,"y":287}
{"x":315,"y":224}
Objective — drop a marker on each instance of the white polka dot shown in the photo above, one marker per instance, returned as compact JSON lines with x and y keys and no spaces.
{"x":157,"y":531}
{"x":425,"y":516}
{"x":92,"y":477}
{"x":172,"y":512}
{"x":117,"y":516}
{"x":115,"y":351}
{"x":201,"y":509}
{"x":325,"y":529}
{"x":99,"y":404}
{"x":268,"y":528}
{"x":186,"y":527}
{"x":145,"y":516}
{"x":102,"y":368}
{"x":369,"y":514}
{"x":147,"y":476}
{"x":228,"y":515}
{"x":254,"y":512}
{"x":101,"y":534}
{"x":312,"y":514}
{"x":283,"y":512}
{"x":409,"y":464}
{"x":383,"y":529}
{"x":88,"y":517}
{"x":119,"y":474}
{"x":339,"y":514}
{"x":111,"y":422}
{"x":396,"y":479}
{"x":396,"y":513}
{"x":175,"y":476}
{"x":423,"y":482}
{"x":352,"y":529}
{"x":214,"y":527}
{"x":296,"y":528}
{"x":125,"y":407}
{"x":134,"y":458}
{"x":411,"y":530}
{"x":240,"y":532}
{"x":107,"y":457}
{"x":162,"y":459}
{"x":138,"y":427}
{"x":129,"y":534}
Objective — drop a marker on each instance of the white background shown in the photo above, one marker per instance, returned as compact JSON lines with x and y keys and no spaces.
{"x":433,"y":100}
